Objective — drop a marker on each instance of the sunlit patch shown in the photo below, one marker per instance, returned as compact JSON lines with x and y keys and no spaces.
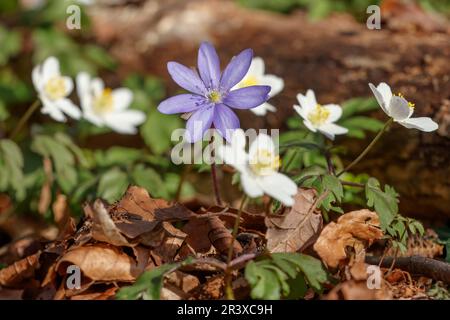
{"x":248,"y":82}
{"x":104,"y":102}
{"x":319,"y":115}
{"x":215,"y":96}
{"x":410,"y":104}
{"x":265,"y":162}
{"x":55,"y":88}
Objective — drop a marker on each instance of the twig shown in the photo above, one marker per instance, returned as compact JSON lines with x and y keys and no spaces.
{"x":223,"y":212}
{"x":431,"y":268}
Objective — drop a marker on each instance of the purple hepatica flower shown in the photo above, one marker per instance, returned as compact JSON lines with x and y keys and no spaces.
{"x":211,"y":97}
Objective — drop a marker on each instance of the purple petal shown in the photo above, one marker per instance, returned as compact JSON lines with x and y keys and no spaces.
{"x":186,"y":78}
{"x":248,"y":97}
{"x":225,"y":121}
{"x":181,"y":103}
{"x":198,"y":123}
{"x":236,"y":69}
{"x":209,"y":65}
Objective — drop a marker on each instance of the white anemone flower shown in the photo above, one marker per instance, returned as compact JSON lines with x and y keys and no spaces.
{"x":317,"y":117}
{"x":400,"y":110}
{"x":255,"y":76}
{"x":53,"y":90}
{"x":258,"y":168}
{"x":106,"y":107}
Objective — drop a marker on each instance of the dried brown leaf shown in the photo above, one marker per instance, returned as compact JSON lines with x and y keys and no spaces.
{"x":101,"y":263}
{"x":356,"y":229}
{"x":293,"y":231}
{"x":103,"y":227}
{"x":19,"y":270}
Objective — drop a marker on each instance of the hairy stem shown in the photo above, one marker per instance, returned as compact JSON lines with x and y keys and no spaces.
{"x":215,"y":184}
{"x":368,"y":148}
{"x":23,"y":120}
{"x":228,"y":277}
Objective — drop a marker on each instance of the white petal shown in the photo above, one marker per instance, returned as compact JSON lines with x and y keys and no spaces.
{"x":262,"y":142}
{"x":125,"y":121}
{"x":309,"y":125}
{"x":250,"y":185}
{"x":276,"y":84}
{"x":238,"y":139}
{"x":36,"y":77}
{"x":380,"y":98}
{"x":399,"y":108}
{"x":331,"y":129}
{"x":262,"y":109}
{"x":335,"y":112}
{"x":53,"y":111}
{"x":300,"y":111}
{"x":68,"y":82}
{"x":235,"y":157}
{"x":385,"y":91}
{"x":122,"y":98}
{"x":422,"y":123}
{"x":67,"y":106}
{"x":280,"y":187}
{"x":97,"y":86}
{"x":256,"y":67}
{"x":50,"y":68}
{"x":83,"y":89}
{"x":93,"y":118}
{"x":307,"y":102}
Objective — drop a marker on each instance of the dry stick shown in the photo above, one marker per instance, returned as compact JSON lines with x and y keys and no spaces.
{"x":25,"y":118}
{"x":431,"y":268}
{"x":367,"y":149}
{"x":228,"y":288}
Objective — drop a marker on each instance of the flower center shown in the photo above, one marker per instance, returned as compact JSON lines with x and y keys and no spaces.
{"x":318,"y":116}
{"x":104,"y":102}
{"x":215,"y":96}
{"x":55,"y":88}
{"x":410,"y":104}
{"x":248,"y":81}
{"x":265,"y":162}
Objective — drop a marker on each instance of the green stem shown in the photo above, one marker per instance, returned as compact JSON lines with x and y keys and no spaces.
{"x":367,"y":149}
{"x":228,"y":278}
{"x":23,"y":120}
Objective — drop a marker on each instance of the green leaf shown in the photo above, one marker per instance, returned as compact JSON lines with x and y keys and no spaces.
{"x":112,"y":184}
{"x":274,"y":276}
{"x":358,"y":105}
{"x":385,"y":202}
{"x":157,"y":130}
{"x":120,"y":156}
{"x":149,"y":284}
{"x":4,"y":114}
{"x":149,"y":179}
{"x":11,"y":170}
{"x":11,"y":44}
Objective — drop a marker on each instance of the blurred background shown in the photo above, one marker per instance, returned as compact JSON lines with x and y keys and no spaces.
{"x":321,"y":45}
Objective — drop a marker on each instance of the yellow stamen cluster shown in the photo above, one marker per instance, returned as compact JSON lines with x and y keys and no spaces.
{"x":215,"y":96}
{"x":249,"y":81}
{"x":55,"y":88}
{"x":265,"y":162}
{"x":319,"y":115}
{"x":104,"y":102}
{"x":410,"y":104}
